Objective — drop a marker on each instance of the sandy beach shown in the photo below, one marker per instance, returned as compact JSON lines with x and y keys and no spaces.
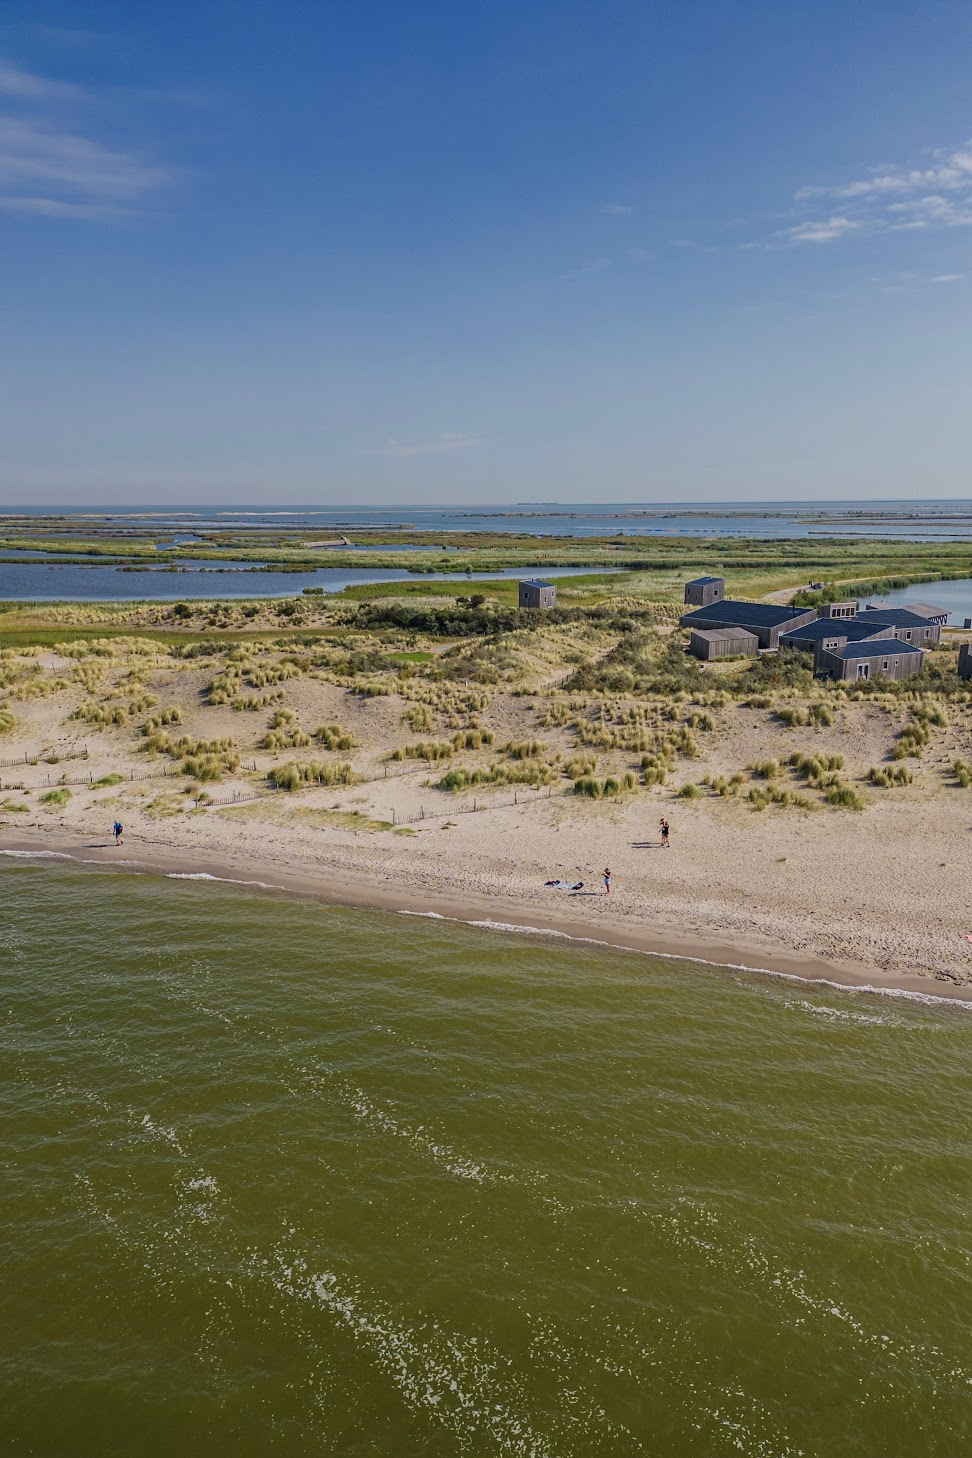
{"x":870,"y":898}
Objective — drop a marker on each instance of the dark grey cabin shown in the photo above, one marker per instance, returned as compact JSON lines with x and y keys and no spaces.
{"x":907,"y":625}
{"x":702,"y":591}
{"x":869,"y":658}
{"x":847,"y":609}
{"x":765,"y":619}
{"x":709,"y":643}
{"x":537,"y":594}
{"x":826,"y":633}
{"x":965,"y":661}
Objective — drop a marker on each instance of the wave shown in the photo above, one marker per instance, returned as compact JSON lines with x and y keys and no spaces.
{"x":523,"y":929}
{"x":225,"y":880}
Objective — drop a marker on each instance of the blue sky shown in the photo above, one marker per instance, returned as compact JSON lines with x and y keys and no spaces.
{"x":484,"y":251}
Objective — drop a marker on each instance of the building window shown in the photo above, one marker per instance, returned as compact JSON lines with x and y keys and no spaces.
{"x":884,"y":666}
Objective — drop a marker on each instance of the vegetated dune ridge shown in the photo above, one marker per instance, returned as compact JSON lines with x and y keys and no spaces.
{"x":849,"y":863}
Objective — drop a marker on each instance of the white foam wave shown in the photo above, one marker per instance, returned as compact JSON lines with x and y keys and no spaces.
{"x":906,"y":994}
{"x":41,"y":855}
{"x":224,"y":880}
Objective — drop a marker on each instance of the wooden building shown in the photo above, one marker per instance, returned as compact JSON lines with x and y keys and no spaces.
{"x":869,"y":658}
{"x":846,"y":609}
{"x":702,"y":591}
{"x":709,"y":643}
{"x":965,"y":660}
{"x":909,"y":626}
{"x":537,"y":594}
{"x":766,"y":619}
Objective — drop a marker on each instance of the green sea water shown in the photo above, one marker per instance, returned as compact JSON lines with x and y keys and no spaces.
{"x":286,"y":1179}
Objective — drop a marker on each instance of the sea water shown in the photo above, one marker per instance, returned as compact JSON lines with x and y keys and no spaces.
{"x":285,"y":1178}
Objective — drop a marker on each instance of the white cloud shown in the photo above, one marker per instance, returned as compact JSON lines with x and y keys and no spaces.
{"x":52,"y":166}
{"x":947,"y":277}
{"x":821,"y":230}
{"x":404,"y":449}
{"x":617,"y":210}
{"x":892,"y":199}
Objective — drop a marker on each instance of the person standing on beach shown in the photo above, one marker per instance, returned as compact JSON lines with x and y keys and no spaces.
{"x":117,"y":830}
{"x":663,"y":823}
{"x":607,"y":880}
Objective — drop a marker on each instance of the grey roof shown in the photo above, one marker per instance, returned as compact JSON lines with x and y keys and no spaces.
{"x":729,"y":613}
{"x":927,"y":610}
{"x":534,"y":582}
{"x":896,"y":617}
{"x":724,"y":635}
{"x":822,"y":628}
{"x":877,"y":648}
{"x":698,"y":581}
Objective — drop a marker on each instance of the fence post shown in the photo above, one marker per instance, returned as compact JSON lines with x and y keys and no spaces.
{"x":393,"y":815}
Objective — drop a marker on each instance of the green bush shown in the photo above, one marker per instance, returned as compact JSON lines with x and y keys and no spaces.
{"x":332,"y":736}
{"x":888,"y":775}
{"x":689,"y":791}
{"x":765,"y":769}
{"x":429,"y":750}
{"x":523,"y":749}
{"x":7,"y":721}
{"x":292,"y":776}
{"x":56,"y":797}
{"x":845,"y":797}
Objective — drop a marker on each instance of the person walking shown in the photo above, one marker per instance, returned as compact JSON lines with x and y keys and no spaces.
{"x":663,"y":823}
{"x":607,"y":880}
{"x":117,"y":831}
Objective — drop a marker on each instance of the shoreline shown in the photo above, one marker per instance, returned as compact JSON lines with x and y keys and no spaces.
{"x":494,"y":913}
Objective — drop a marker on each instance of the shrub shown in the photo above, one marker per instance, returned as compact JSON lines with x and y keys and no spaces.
{"x":579,"y":766}
{"x":106,"y":781}
{"x":793,"y":718}
{"x":820,"y":714}
{"x":419,"y":718}
{"x":292,"y":776}
{"x":93,"y":713}
{"x":204,"y":766}
{"x":535,"y":774}
{"x":429,"y":750}
{"x":815,"y":767}
{"x":7,"y":721}
{"x":472,"y":738}
{"x":56,"y":797}
{"x":888,"y":775}
{"x":845,"y":797}
{"x":701,"y":721}
{"x":332,"y":736}
{"x":588,"y":786}
{"x":523,"y":749}
{"x":962,"y":772}
{"x":278,"y":739}
{"x":170,"y":715}
{"x":765,"y":769}
{"x":689,"y":791}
